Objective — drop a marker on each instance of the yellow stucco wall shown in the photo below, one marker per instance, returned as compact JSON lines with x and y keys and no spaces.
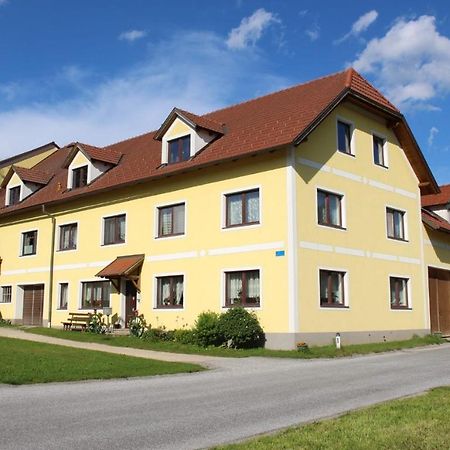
{"x":437,"y":248}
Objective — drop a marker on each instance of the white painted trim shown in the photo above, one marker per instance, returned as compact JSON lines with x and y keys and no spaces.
{"x":343,"y":226}
{"x":102,"y":235}
{"x":408,"y":291}
{"x":1,"y":294}
{"x":346,"y":288}
{"x":172,"y":256}
{"x":405,"y":239}
{"x":18,"y":310}
{"x":224,"y":271}
{"x":352,"y":136}
{"x":58,"y":299}
{"x":80,"y":292}
{"x":155,"y":291}
{"x":58,"y":237}
{"x":245,"y":248}
{"x":21,"y":243}
{"x":375,"y":133}
{"x":156,"y":219}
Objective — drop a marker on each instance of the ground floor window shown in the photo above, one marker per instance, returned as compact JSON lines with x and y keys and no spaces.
{"x":399,"y":292}
{"x":332,"y":288}
{"x":242,"y":288}
{"x":170,"y":291}
{"x":95,"y":294}
{"x":63,"y":295}
{"x":6,"y":293}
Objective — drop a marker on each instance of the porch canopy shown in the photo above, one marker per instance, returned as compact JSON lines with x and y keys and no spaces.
{"x":128,"y":267}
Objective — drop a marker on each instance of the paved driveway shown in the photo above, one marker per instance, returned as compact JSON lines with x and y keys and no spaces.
{"x":240,"y":398}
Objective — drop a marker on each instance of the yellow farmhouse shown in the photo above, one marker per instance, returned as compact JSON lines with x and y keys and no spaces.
{"x":303,"y":205}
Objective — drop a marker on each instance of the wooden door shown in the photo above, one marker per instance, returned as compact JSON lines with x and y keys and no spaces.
{"x":439,"y":288}
{"x":130,"y":301}
{"x":33,"y":304}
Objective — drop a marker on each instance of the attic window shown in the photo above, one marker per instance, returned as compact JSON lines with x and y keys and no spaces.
{"x":179,"y":149}
{"x":79,"y":177}
{"x":14,"y":195}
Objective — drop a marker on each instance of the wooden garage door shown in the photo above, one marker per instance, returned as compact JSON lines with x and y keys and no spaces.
{"x":439,"y":285}
{"x":33,"y":304}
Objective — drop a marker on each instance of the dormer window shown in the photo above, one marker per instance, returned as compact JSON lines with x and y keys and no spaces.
{"x":79,"y":177}
{"x":14,"y":195}
{"x":179,"y":149}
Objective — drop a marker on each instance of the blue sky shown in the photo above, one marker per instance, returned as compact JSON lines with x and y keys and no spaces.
{"x":105,"y":70}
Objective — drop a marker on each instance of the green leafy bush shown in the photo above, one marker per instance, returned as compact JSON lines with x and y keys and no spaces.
{"x":158,"y":334}
{"x":207,"y":329}
{"x":97,"y":323}
{"x":138,"y":325}
{"x":184,"y":336}
{"x":241,"y":329}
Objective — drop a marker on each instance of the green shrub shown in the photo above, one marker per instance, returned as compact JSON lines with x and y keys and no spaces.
{"x":207,"y":329}
{"x":158,"y":334}
{"x":185,"y":336}
{"x":138,"y":325}
{"x":241,"y":329}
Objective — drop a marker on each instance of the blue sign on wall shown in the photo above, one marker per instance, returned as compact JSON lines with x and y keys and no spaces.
{"x":279,"y":253}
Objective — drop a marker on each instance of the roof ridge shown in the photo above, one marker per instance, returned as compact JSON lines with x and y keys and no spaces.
{"x":274,"y":93}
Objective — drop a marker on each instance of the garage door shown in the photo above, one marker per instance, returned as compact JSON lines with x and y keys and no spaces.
{"x":33,"y":304}
{"x":439,"y":285}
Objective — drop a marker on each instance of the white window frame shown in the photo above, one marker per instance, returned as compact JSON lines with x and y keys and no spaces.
{"x":375,"y":133}
{"x":352,"y":136}
{"x":80,"y":293}
{"x":409,"y":295}
{"x":21,"y":255}
{"x":405,"y":239}
{"x":59,"y":295}
{"x":102,"y":235}
{"x":58,"y":237}
{"x":20,"y":185}
{"x":347,"y":303}
{"x":155,"y":291}
{"x":156,"y":219}
{"x":1,"y":293}
{"x":343,"y":195}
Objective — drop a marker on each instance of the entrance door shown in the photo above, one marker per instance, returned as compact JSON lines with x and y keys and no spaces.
{"x":130,"y":301}
{"x":439,"y":285}
{"x":33,"y":304}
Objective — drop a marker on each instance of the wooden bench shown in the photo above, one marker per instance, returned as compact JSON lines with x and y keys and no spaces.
{"x":77,"y":321}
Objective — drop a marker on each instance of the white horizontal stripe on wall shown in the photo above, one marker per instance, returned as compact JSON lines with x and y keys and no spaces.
{"x":357,"y":252}
{"x":355,"y":177}
{"x":172,"y":256}
{"x":246,"y":248}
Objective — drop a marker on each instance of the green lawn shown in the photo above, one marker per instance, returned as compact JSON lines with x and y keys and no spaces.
{"x":25,"y":362}
{"x":328,"y":351}
{"x":409,"y":424}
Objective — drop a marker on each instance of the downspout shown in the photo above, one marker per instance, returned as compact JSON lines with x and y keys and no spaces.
{"x":52,"y":263}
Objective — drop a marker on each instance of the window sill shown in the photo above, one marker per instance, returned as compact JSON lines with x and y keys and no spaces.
{"x":168,"y":308}
{"x":66,"y":250}
{"x":255,"y":306}
{"x":346,"y":153}
{"x":325,"y":306}
{"x":113,"y":243}
{"x":241,"y":225}
{"x":335,"y":227}
{"x":401,"y":308}
{"x":392,"y":238}
{"x":382,"y":166}
{"x":27,"y":255}
{"x":174,"y":235}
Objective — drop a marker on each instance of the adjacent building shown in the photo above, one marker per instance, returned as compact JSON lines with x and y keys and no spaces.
{"x":303,"y":205}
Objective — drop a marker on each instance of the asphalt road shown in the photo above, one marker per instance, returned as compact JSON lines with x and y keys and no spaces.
{"x":242,"y":398}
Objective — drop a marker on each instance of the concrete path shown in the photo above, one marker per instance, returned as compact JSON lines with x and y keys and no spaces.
{"x":241,"y":398}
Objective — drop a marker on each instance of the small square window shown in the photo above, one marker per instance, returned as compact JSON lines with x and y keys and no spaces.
{"x":395,"y":224}
{"x":170,"y":292}
{"x":332,"y":288}
{"x":344,"y":132}
{"x":95,"y":294}
{"x":14,"y":195}
{"x":68,"y":237}
{"x":329,"y":209}
{"x":171,"y":220}
{"x":379,"y":153}
{"x":179,"y":149}
{"x":63,"y":295}
{"x":114,"y":230}
{"x":242,"y":208}
{"x":29,"y":243}
{"x":6,"y":294}
{"x":242,"y":288}
{"x":79,"y":177}
{"x":399,"y":293}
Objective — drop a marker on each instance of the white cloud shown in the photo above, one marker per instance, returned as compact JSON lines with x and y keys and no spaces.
{"x":433,"y":132}
{"x":251,"y":29}
{"x":410,"y":63}
{"x":360,"y":25}
{"x":132,"y":35}
{"x":313,"y":33}
{"x":206,"y":76}
{"x":3,"y":2}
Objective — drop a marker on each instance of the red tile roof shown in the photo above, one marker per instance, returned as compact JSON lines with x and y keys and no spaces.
{"x":94,"y":153}
{"x":121,"y":266}
{"x":443,"y":198}
{"x":434,"y":221}
{"x":32,"y":175}
{"x":269,"y":122}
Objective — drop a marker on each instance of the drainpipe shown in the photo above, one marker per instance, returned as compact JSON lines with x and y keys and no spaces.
{"x":52,"y":263}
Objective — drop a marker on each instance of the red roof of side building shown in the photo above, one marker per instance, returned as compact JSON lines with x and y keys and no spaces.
{"x":33,"y":175}
{"x":443,"y":198}
{"x":265,"y":123}
{"x":434,"y":221}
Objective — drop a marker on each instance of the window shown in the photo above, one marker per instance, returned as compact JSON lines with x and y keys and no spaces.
{"x":79,"y":177}
{"x":242,"y":288}
{"x":171,"y":220}
{"x":332,"y":288}
{"x":29,"y":243}
{"x":68,"y":237}
{"x":95,"y":294}
{"x":344,"y":131}
{"x":6,"y":293}
{"x":379,"y":157}
{"x":242,"y":208}
{"x":179,"y":149}
{"x":63,"y":295}
{"x":114,"y":230}
{"x":399,"y":292}
{"x":170,"y":292}
{"x":329,"y":209}
{"x":395,"y":224}
{"x":14,"y":195}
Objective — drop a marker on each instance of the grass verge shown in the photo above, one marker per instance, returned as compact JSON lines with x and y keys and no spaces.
{"x":328,"y":351}
{"x":25,"y":362}
{"x":407,"y":424}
